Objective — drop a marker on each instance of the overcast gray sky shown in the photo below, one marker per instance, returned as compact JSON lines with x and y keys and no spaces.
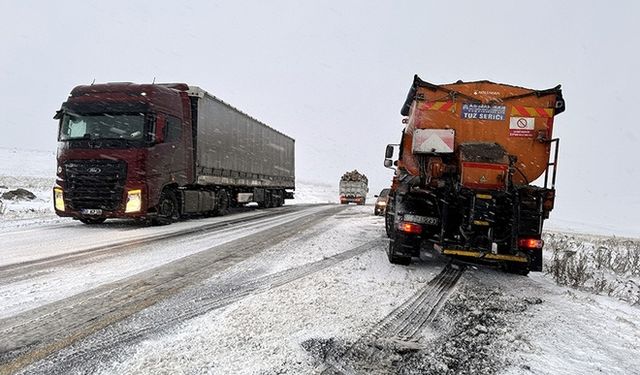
{"x":334,"y":74}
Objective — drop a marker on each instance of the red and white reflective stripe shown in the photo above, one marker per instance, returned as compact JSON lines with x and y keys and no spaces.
{"x":518,"y":110}
{"x":440,"y":106}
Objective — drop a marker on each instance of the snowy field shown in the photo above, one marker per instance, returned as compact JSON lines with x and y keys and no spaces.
{"x":294,"y":290}
{"x":31,"y":170}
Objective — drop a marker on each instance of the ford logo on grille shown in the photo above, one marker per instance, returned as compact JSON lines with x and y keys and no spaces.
{"x":94,"y":170}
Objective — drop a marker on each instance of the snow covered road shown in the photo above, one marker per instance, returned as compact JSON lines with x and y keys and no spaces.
{"x":69,"y":259}
{"x":297,"y":290}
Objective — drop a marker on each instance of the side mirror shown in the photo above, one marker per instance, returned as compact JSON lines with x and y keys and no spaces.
{"x":388,"y":153}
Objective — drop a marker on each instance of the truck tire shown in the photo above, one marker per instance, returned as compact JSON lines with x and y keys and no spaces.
{"x":388,"y":224}
{"x":280,"y":199}
{"x":168,"y":210}
{"x":269,"y":201}
{"x":266,"y":203}
{"x":92,"y":220}
{"x":222,"y":203}
{"x":393,"y":256}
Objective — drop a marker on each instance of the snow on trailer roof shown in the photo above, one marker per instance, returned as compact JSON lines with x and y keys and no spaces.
{"x":200,"y":93}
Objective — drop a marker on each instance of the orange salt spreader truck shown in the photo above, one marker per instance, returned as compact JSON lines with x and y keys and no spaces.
{"x":464,"y":169}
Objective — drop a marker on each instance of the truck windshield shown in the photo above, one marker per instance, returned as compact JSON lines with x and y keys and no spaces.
{"x":128,"y":127}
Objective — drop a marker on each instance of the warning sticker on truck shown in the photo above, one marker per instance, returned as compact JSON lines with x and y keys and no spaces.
{"x":471,"y":111}
{"x":521,"y":126}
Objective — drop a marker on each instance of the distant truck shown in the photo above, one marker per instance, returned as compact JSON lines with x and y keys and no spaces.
{"x":162,"y":151}
{"x":354,"y":187}
{"x":464,"y":173}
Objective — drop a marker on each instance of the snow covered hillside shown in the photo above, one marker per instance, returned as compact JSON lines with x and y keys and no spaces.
{"x":27,"y":169}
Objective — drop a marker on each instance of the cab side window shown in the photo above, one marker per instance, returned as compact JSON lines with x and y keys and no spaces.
{"x":172,"y":130}
{"x":75,"y":127}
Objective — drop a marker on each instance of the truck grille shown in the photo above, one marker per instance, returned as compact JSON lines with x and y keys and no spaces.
{"x":95,"y":184}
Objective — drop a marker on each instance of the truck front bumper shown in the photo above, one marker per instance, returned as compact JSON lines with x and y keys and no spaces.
{"x":132,"y":206}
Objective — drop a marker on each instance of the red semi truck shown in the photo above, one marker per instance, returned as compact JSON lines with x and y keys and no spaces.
{"x":161,"y":151}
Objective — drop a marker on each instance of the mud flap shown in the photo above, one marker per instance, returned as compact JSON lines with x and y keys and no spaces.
{"x":535,"y":263}
{"x":406,"y":245}
{"x":396,"y":254}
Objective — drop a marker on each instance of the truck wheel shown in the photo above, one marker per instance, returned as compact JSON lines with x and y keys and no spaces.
{"x":281,"y":199}
{"x":266,"y":203}
{"x":222,"y":203}
{"x":93,"y":220}
{"x":168,"y":211}
{"x":388,"y":224}
{"x":269,"y":202}
{"x":393,"y":256}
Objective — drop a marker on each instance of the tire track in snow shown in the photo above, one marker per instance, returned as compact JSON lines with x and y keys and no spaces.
{"x":401,"y":326}
{"x":13,"y":271}
{"x":83,"y":357}
{"x":38,"y":333}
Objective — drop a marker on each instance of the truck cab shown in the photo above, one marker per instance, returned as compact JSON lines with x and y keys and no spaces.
{"x":119,"y":146}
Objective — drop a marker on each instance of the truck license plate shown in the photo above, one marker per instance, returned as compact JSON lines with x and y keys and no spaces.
{"x":91,"y":211}
{"x":421,"y":219}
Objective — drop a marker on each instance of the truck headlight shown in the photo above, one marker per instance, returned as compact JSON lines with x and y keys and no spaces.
{"x":58,"y":199}
{"x":134,"y":201}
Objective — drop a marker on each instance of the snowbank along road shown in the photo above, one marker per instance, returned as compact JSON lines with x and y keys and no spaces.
{"x":299,"y":289}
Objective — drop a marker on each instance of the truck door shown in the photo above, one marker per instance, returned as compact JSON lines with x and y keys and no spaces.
{"x":175,"y":139}
{"x":159,"y":159}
